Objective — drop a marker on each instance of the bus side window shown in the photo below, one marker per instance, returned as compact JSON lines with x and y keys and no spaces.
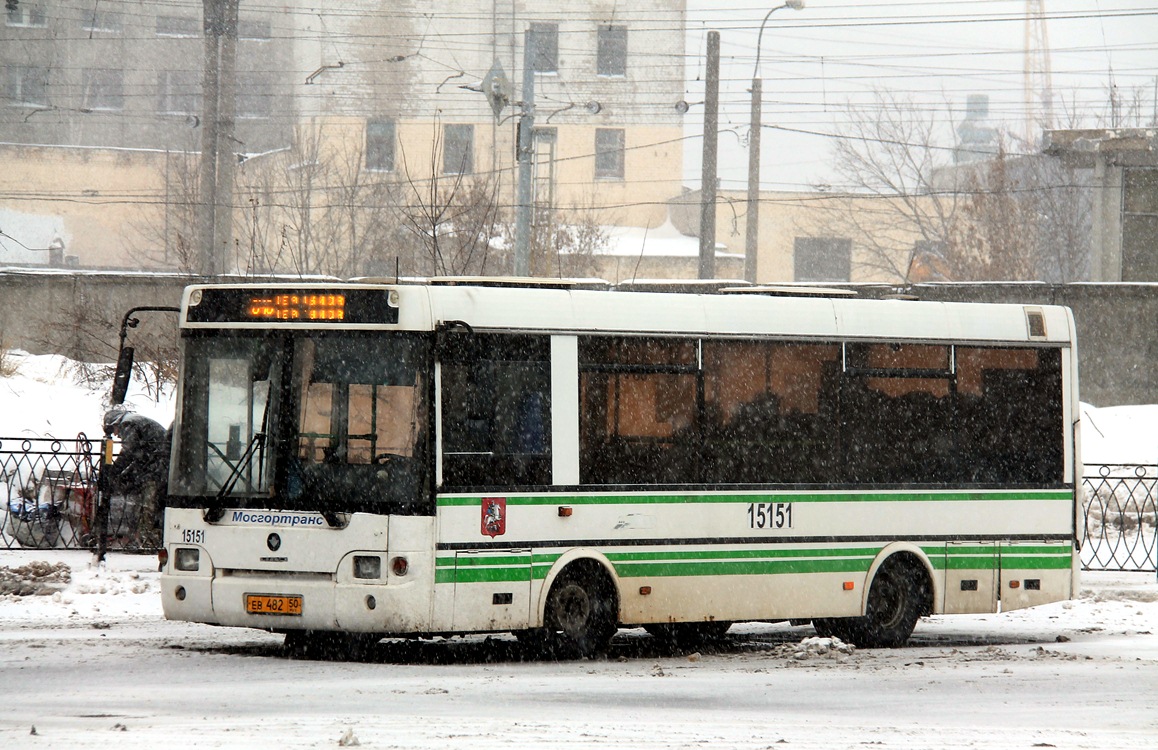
{"x":1011,"y":414}
{"x":639,"y":419}
{"x":769,"y":411}
{"x":496,"y":411}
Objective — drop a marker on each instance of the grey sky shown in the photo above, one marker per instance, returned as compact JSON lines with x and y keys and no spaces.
{"x":816,"y":60}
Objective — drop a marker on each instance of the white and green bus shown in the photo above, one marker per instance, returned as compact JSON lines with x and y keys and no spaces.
{"x":359,"y":460}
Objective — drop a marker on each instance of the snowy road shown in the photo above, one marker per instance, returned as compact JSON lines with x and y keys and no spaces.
{"x":95,"y":666}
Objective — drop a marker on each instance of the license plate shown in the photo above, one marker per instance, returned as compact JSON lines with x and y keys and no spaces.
{"x":273,"y":604}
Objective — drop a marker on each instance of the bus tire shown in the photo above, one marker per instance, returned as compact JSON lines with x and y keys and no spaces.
{"x":581,"y":612}
{"x":900,"y":594}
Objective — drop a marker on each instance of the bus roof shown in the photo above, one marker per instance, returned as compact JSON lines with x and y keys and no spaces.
{"x":758,"y":312}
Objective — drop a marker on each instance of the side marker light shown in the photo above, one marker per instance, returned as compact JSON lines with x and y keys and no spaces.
{"x":849,"y":585}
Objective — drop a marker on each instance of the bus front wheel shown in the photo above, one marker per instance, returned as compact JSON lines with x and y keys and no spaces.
{"x":581,"y":613}
{"x":900,"y":595}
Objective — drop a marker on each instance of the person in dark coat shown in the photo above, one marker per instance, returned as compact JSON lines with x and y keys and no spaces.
{"x":141,"y":471}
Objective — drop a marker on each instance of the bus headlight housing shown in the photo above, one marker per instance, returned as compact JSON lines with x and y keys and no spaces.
{"x":187,"y":558}
{"x":367,"y":566}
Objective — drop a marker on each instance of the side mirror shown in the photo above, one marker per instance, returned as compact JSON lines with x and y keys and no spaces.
{"x":123,"y":374}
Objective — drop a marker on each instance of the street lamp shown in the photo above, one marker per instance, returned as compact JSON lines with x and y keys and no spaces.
{"x":752,"y":230}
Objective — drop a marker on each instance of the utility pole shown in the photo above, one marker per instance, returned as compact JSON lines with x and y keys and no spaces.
{"x":752,"y":222}
{"x":525,"y":155}
{"x":215,"y":220}
{"x":708,"y":174}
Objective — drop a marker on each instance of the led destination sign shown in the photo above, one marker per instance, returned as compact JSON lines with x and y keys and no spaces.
{"x":318,"y":306}
{"x":298,"y":307}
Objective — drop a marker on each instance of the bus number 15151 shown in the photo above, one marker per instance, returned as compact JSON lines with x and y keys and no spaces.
{"x":770,"y":515}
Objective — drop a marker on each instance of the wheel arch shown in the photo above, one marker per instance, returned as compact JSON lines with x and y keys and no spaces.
{"x":574,"y":559}
{"x":909,"y":554}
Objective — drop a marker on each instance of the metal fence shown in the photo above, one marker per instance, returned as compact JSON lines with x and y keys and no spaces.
{"x":1121,"y":519}
{"x":48,"y":491}
{"x":48,"y":497}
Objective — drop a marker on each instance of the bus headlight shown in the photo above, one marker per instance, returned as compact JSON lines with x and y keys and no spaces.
{"x":187,"y":558}
{"x":367,"y":566}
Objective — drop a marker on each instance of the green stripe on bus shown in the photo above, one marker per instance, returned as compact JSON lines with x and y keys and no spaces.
{"x":786,"y":496}
{"x":740,"y":553}
{"x":1009,"y":562}
{"x":484,"y":575}
{"x":497,"y":561}
{"x":524,"y":567}
{"x":741,"y":567}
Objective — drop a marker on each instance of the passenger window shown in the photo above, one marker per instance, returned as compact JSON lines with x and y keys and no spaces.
{"x":897,"y":414}
{"x":496,"y":410}
{"x":639,"y":413}
{"x":770,"y":411}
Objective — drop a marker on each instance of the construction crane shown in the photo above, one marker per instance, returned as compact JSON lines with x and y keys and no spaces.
{"x":1038,"y":77}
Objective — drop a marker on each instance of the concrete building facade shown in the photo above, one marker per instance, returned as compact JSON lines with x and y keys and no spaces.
{"x":98,"y":101}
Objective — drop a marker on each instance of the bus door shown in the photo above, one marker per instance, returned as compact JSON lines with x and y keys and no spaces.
{"x":970,"y":577}
{"x":492,"y":589}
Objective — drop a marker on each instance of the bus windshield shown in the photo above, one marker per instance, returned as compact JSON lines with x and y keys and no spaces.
{"x":311,"y":421}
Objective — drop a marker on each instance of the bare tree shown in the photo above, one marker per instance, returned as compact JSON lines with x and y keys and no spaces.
{"x":314,"y":209}
{"x":912,"y":215}
{"x":169,"y":234}
{"x":564,"y":242}
{"x":454,"y":219}
{"x":994,"y":235}
{"x":1063,"y":203}
{"x":890,"y":152}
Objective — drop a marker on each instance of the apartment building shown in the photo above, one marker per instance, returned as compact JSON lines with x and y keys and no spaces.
{"x":407,"y":83}
{"x":97,"y":98}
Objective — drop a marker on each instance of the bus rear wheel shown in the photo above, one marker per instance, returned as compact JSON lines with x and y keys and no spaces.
{"x":581,"y":613}
{"x":900,"y":594}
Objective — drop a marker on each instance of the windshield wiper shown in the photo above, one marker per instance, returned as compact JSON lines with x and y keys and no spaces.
{"x":255,"y":444}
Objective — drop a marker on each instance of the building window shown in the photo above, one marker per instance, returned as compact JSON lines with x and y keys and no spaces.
{"x":609,"y":148}
{"x":254,"y":99}
{"x":1139,"y":224}
{"x":103,"y":89}
{"x":545,"y":46}
{"x":25,"y":14}
{"x":380,"y":145}
{"x":26,"y":87}
{"x":179,"y":92}
{"x":458,"y":149}
{"x":253,"y":30}
{"x":104,"y":22}
{"x":822,"y":259}
{"x":611,"y":51}
{"x":178,"y":26}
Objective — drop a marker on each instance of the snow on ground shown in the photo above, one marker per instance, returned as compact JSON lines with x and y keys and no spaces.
{"x":88,"y":661}
{"x":1120,"y":434}
{"x":47,"y":398}
{"x":91,"y":663}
